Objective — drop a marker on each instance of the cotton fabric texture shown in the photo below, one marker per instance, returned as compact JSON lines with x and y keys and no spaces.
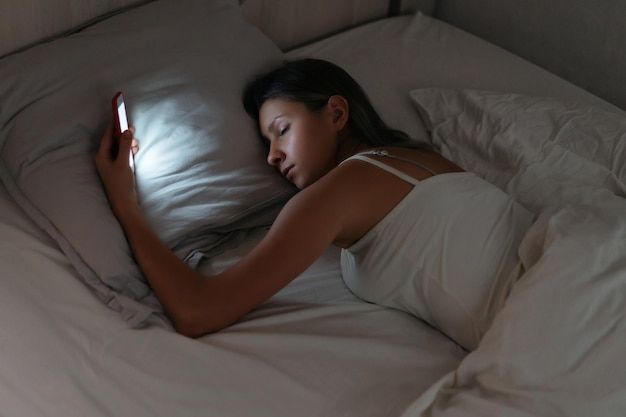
{"x":201,"y":173}
{"x":559,"y":328}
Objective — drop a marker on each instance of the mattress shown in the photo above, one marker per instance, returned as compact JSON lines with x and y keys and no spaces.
{"x":313,"y":349}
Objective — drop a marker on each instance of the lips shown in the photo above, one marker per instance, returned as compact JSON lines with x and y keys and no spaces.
{"x":286,"y":170}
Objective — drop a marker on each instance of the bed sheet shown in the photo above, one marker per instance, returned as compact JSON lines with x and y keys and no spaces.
{"x":311,"y":350}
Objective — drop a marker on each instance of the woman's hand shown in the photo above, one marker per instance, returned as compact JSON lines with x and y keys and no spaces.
{"x":115,"y":172}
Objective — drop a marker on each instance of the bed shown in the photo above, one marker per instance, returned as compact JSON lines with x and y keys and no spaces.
{"x":82,"y":334}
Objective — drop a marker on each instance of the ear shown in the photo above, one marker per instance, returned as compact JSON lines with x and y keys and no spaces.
{"x":338,"y":110}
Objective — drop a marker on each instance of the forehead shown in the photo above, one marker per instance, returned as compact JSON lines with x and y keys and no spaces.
{"x":274,"y":107}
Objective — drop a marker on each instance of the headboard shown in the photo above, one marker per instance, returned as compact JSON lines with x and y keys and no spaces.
{"x":288,"y":22}
{"x":26,"y":22}
{"x":291,"y":23}
{"x":579,"y":40}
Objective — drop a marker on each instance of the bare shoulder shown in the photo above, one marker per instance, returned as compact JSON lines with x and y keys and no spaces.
{"x":331,"y":194}
{"x":350,"y":178}
{"x":372,"y":192}
{"x":354,"y":196}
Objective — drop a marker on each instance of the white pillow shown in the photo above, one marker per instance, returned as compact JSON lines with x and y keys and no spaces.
{"x":389,"y":57}
{"x":201,"y":170}
{"x":577,"y":151}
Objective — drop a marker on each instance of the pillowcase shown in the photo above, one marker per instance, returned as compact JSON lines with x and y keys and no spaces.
{"x":201,"y":171}
{"x":577,"y":152}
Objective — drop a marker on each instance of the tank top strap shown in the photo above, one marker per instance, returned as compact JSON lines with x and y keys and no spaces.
{"x":385,"y":167}
{"x":388,"y":168}
{"x":385,"y":153}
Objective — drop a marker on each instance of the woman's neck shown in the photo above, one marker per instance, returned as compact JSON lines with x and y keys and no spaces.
{"x":349,"y":146}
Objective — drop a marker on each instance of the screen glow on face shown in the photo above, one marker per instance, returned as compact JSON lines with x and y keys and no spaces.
{"x":121,"y":115}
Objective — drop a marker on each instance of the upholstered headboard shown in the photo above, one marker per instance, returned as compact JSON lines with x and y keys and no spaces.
{"x":578,"y":40}
{"x":288,"y":22}
{"x":291,"y":23}
{"x":26,"y":22}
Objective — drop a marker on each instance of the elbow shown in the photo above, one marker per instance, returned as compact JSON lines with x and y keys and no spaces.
{"x":203,"y":313}
{"x":189,"y":330}
{"x":194,"y":327}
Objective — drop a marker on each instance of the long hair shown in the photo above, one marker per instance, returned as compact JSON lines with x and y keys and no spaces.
{"x":312,"y":82}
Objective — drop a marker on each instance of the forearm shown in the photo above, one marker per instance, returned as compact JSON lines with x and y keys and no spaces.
{"x":183,"y":292}
{"x":175,"y":284}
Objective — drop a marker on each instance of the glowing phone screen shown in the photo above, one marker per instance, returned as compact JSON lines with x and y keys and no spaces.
{"x":121,"y":115}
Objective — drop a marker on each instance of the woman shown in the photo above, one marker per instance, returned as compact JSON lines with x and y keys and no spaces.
{"x":315,"y":119}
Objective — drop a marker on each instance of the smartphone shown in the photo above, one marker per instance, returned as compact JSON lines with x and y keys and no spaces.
{"x":120,"y":125}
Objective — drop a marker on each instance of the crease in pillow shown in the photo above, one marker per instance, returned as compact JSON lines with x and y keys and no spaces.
{"x":56,"y":103}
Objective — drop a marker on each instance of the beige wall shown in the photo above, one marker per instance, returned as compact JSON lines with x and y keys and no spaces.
{"x":579,"y":40}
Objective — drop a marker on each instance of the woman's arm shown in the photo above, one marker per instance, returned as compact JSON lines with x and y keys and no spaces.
{"x":197,"y":305}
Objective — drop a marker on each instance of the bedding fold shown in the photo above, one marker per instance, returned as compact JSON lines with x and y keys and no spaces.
{"x":552,"y":349}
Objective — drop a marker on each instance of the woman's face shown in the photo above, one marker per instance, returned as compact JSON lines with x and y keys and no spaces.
{"x":303,"y":144}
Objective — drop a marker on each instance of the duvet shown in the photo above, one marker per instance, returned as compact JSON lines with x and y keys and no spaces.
{"x":557,"y":345}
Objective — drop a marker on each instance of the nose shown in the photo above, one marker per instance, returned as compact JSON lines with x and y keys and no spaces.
{"x":275,"y":156}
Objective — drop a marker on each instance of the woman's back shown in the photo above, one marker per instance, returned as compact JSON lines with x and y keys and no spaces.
{"x":377,"y":192}
{"x":445,"y":252}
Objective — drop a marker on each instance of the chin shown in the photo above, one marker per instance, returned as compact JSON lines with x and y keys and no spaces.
{"x":303,"y":179}
{"x":298,"y":184}
{"x":302,"y":183}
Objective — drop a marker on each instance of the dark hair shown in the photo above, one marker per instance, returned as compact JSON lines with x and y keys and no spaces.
{"x":312,"y":82}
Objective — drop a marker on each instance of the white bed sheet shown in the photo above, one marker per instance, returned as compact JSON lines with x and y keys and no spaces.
{"x":312,"y":350}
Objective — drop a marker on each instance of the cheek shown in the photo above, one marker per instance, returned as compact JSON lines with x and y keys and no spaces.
{"x":314,"y":138}
{"x":299,"y":143}
{"x":313,"y":148}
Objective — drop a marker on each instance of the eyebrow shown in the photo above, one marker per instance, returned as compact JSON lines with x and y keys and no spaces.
{"x":270,"y":126}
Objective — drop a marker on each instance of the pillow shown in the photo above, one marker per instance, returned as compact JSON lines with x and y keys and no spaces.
{"x":201,"y":172}
{"x":391,"y":56}
{"x":577,"y":151}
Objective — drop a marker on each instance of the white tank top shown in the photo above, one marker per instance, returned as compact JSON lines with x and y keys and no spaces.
{"x":446,"y":253}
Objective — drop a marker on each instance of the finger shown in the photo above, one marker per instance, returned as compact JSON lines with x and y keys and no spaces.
{"x":135,"y":146}
{"x":107,"y":140}
{"x":126,"y":140}
{"x":132,"y":130}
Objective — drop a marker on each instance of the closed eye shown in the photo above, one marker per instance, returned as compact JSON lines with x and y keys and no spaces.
{"x":283,"y":131}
